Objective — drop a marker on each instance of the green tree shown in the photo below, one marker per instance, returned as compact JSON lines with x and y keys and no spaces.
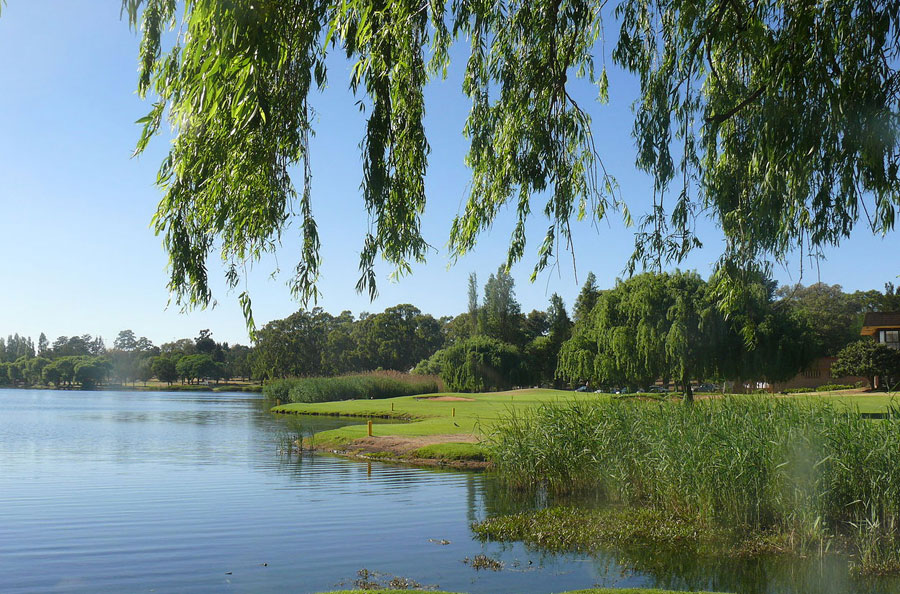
{"x":500,"y":312}
{"x":541,"y":356}
{"x":90,"y":371}
{"x":890,"y":300}
{"x":558,"y":322}
{"x":43,"y":346}
{"x":14,"y":373}
{"x":482,"y":363}
{"x":536,"y":324}
{"x":183,"y":346}
{"x":33,"y":369}
{"x":586,"y":299}
{"x":340,"y":354}
{"x":834,"y":316}
{"x":721,"y":100}
{"x":576,"y":361}
{"x":458,"y":328}
{"x":543,"y":351}
{"x":125,"y":341}
{"x":473,"y":304}
{"x":238,"y":361}
{"x":52,"y":374}
{"x":197,"y":367}
{"x":144,"y":371}
{"x":164,"y":369}
{"x":293,"y":346}
{"x":648,"y":327}
{"x":869,"y":359}
{"x":205,"y":343}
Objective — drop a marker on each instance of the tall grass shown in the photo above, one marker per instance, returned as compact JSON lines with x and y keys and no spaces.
{"x":378,"y":384}
{"x":806,"y":470}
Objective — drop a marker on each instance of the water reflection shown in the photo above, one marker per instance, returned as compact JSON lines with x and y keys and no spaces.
{"x":188,"y":492}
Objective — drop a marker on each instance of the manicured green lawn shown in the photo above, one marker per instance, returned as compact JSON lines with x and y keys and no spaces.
{"x":476,"y":415}
{"x":473,"y":416}
{"x":866,"y":403}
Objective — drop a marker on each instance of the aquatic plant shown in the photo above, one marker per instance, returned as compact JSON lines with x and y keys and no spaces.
{"x":809,"y":471}
{"x":378,"y":384}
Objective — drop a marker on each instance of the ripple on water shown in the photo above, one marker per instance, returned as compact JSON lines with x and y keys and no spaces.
{"x":139,"y":491}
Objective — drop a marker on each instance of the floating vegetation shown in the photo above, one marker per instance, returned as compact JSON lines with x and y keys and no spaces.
{"x":480,"y":562}
{"x":370,"y":580}
{"x":290,"y":436}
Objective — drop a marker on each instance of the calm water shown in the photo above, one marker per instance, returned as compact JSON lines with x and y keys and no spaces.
{"x":171,"y":492}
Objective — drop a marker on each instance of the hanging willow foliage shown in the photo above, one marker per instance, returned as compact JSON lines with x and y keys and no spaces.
{"x":778,"y":119}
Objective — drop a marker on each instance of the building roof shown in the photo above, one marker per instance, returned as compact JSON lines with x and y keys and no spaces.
{"x":876,"y":320}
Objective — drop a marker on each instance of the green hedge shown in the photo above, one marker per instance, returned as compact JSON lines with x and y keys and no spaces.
{"x":350,"y":387}
{"x":833,"y":387}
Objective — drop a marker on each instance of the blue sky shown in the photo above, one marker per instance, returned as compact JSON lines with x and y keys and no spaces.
{"x":79,"y":256}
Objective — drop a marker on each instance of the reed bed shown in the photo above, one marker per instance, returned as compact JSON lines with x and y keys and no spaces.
{"x":377,"y":384}
{"x":808,"y":471}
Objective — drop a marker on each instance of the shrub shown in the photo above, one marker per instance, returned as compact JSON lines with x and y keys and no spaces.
{"x":481,"y":363}
{"x":868,"y":358}
{"x":382,"y":384}
{"x":433,"y":365}
{"x":798,"y":390}
{"x":805,"y":469}
{"x":833,"y":387}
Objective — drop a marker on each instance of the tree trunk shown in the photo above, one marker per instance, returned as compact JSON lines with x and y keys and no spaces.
{"x":688,"y":392}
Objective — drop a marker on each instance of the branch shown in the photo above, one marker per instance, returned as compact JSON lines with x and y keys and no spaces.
{"x":718,"y":119}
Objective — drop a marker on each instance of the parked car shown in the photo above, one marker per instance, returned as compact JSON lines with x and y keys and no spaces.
{"x":581,"y":389}
{"x":657,"y":390}
{"x":707,"y":388}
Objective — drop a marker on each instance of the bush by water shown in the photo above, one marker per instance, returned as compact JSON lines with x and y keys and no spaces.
{"x":809,"y":471}
{"x":377,"y":384}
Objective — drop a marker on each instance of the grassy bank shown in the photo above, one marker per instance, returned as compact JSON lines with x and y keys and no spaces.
{"x":471,"y":417}
{"x":453,"y":425}
{"x":809,"y":471}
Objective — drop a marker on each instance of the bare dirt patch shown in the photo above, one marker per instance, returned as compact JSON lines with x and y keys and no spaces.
{"x":403,"y":444}
{"x":447,"y":398}
{"x":397,"y":448}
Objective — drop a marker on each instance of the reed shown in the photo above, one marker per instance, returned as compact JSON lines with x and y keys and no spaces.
{"x":808,"y":471}
{"x":375,"y":385}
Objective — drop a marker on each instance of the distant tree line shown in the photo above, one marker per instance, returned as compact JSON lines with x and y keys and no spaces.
{"x":651,"y":326}
{"x":85,"y":362}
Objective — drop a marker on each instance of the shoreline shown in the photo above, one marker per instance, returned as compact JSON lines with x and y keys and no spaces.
{"x":248,"y":388}
{"x":362,"y":455}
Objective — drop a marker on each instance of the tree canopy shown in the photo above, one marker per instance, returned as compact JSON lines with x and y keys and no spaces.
{"x":869,"y":359}
{"x":776,"y":118}
{"x":667,"y":326}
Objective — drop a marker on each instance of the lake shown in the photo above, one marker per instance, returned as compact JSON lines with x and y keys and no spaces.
{"x":172,"y":492}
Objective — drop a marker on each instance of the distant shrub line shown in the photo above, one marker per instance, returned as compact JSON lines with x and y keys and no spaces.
{"x":374,"y":385}
{"x":825,"y":388}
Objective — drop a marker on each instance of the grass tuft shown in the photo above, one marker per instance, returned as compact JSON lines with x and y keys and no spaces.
{"x":373,"y":385}
{"x":802,"y":469}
